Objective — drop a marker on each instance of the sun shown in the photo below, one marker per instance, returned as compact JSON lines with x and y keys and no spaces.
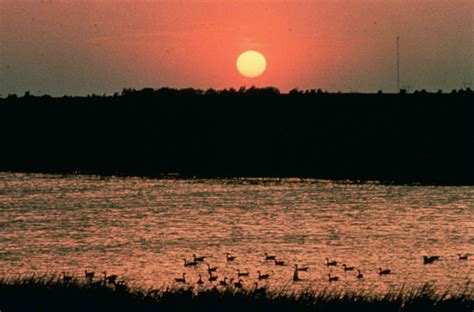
{"x":251,"y":64}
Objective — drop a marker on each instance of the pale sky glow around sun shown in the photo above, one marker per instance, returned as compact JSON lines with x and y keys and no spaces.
{"x":82,"y":47}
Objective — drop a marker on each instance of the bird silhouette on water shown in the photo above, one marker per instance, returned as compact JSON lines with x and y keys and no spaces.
{"x":330,"y":263}
{"x":279,"y":262}
{"x":384,"y":272}
{"x":297,"y":268}
{"x":430,"y":260}
{"x":200,"y":281}
{"x":181,"y":279}
{"x":332,"y":278}
{"x":189,"y":263}
{"x":199,"y":259}
{"x":268,"y":257}
{"x":229,"y":258}
{"x":262,"y":276}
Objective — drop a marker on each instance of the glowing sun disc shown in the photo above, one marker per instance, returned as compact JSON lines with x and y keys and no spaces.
{"x":251,"y":64}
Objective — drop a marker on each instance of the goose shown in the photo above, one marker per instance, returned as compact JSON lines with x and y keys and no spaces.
{"x":181,"y":280}
{"x":330,"y":263}
{"x":463,"y":257}
{"x":89,"y":275}
{"x":279,"y":262}
{"x":212,"y":278}
{"x":111,"y":279}
{"x":346,"y":268}
{"x":296,"y":278}
{"x":384,"y":272}
{"x":267,"y":257}
{"x":199,"y":281}
{"x":199,"y":259}
{"x":223,"y":282}
{"x":430,"y":260}
{"x":239,"y":274}
{"x":238,"y":284}
{"x":259,"y":290}
{"x":189,"y":263}
{"x":332,"y":278}
{"x":359,"y":275}
{"x":66,"y":278}
{"x":229,"y":257}
{"x":262,"y":276}
{"x":211,"y":269}
{"x":301,"y":269}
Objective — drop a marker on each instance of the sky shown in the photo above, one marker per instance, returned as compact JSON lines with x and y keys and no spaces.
{"x":79,"y":47}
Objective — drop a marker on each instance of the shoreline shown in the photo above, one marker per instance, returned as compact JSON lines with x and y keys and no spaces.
{"x":52,"y":293}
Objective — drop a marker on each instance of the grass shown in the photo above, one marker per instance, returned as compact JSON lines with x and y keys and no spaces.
{"x":52,"y":294}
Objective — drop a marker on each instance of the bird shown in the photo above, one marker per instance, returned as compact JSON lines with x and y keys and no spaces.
{"x":463,"y":257}
{"x":346,"y":268}
{"x":66,"y":278}
{"x":332,"y":278}
{"x":181,"y":279}
{"x":262,"y":276}
{"x":199,"y":281}
{"x":384,"y":272}
{"x":430,"y":260}
{"x":211,"y":269}
{"x":259,"y":290}
{"x":239,"y":274}
{"x":267,"y":257}
{"x":111,"y":279}
{"x":330,"y":263}
{"x":238,"y":284}
{"x":229,"y":257}
{"x":212,"y":278}
{"x":359,"y":275}
{"x":189,"y":263}
{"x":279,"y":262}
{"x":223,"y":282}
{"x":89,"y":275}
{"x":296,"y":278}
{"x":198,"y":259}
{"x":301,"y":269}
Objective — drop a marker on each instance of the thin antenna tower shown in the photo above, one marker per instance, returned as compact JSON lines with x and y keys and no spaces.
{"x":398,"y":64}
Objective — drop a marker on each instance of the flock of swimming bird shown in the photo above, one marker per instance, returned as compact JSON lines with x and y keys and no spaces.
{"x":237,"y":282}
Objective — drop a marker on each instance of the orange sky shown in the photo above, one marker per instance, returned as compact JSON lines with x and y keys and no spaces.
{"x":102,"y":46}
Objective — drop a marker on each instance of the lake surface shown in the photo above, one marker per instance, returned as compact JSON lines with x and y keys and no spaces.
{"x":141,"y":229}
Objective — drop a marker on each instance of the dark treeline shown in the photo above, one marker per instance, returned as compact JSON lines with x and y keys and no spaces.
{"x":402,"y":138}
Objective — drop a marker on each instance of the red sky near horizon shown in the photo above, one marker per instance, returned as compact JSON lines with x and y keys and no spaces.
{"x":81,"y":47}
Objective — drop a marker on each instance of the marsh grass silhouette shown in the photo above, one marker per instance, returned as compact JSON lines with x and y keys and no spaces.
{"x":418,"y":137}
{"x":52,"y":294}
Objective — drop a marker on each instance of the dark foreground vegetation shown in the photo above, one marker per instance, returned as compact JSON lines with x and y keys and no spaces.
{"x":420,"y":137}
{"x":53,"y":294}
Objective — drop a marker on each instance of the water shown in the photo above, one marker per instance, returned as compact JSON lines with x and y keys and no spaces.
{"x":141,"y":229}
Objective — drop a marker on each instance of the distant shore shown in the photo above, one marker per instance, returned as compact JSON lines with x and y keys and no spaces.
{"x":406,"y":138}
{"x":56,"y":294}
